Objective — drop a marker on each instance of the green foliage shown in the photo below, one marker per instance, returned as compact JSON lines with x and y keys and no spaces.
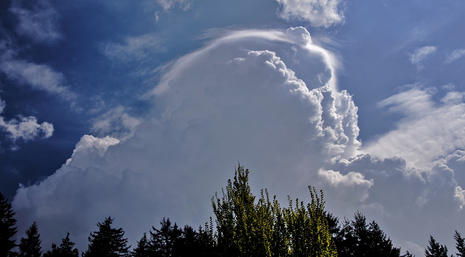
{"x":30,"y":245}
{"x":435,"y":249}
{"x":107,"y":241}
{"x":459,"y":244}
{"x":7,"y":227}
{"x":247,"y":227}
{"x":64,"y":250}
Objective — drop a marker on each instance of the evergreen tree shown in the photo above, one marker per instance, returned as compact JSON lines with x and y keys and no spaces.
{"x":107,"y":241}
{"x":460,"y":244}
{"x":142,"y":249}
{"x":357,"y":238}
{"x":434,"y":249}
{"x":64,"y":250}
{"x":30,"y":246}
{"x":7,"y":227}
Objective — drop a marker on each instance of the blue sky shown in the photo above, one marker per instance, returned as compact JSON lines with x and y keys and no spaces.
{"x":140,"y":110}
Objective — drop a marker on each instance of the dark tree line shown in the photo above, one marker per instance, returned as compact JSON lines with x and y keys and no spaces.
{"x":245,"y":226}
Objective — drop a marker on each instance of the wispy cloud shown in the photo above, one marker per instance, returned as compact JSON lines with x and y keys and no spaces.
{"x":420,"y":54}
{"x":133,"y":48}
{"x":38,"y":23}
{"x":37,"y":76}
{"x":320,"y":13}
{"x":168,"y":4}
{"x":455,"y":55}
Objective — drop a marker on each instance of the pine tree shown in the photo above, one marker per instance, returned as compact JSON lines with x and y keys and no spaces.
{"x":434,"y":249}
{"x":142,"y":249}
{"x":30,"y":246}
{"x":357,"y":238}
{"x":107,"y":241}
{"x":460,"y":244}
{"x":64,"y":250}
{"x":7,"y":227}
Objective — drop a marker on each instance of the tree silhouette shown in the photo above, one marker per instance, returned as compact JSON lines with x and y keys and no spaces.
{"x":434,"y":249}
{"x":30,"y":245}
{"x":357,"y":238}
{"x":64,"y":250}
{"x":459,"y":244}
{"x":7,"y":227}
{"x":107,"y":241}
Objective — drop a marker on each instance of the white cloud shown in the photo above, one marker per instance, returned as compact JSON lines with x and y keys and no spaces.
{"x":236,"y":99}
{"x":133,"y":48}
{"x":38,"y":76}
{"x":429,"y":131}
{"x":420,"y":54}
{"x":270,"y":100}
{"x":116,"y":122}
{"x":169,"y":4}
{"x":24,"y":128}
{"x":320,"y":13}
{"x":455,"y":55}
{"x":40,"y":23}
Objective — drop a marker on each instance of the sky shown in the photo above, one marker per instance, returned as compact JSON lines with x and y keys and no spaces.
{"x":141,"y":110}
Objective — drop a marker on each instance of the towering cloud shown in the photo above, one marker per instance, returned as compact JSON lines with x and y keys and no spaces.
{"x":270,"y":100}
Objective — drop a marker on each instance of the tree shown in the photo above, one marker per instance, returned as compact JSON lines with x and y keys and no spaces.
{"x":142,"y":249}
{"x":459,"y":244}
{"x":7,"y":227}
{"x":357,"y":238}
{"x":107,"y":241}
{"x":64,"y":250}
{"x":30,"y":246}
{"x":434,"y":249}
{"x":246,"y":227}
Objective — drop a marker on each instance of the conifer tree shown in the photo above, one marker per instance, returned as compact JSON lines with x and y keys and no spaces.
{"x":64,"y":250}
{"x":7,"y":227}
{"x":434,"y":249}
{"x":459,"y":244}
{"x":357,"y":238}
{"x":142,"y":249}
{"x":30,"y":245}
{"x":107,"y":241}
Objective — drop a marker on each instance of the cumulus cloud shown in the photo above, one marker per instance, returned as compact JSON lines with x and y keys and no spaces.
{"x":116,"y":122}
{"x":38,"y":76}
{"x":38,"y":23}
{"x":246,"y":96}
{"x":24,"y":128}
{"x":420,"y":54}
{"x":270,"y":100}
{"x":320,"y":13}
{"x":455,"y":55}
{"x":133,"y":48}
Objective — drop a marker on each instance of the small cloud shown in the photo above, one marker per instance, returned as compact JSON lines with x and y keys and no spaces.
{"x":457,"y":54}
{"x":38,"y":76}
{"x":421,"y":54}
{"x":39,"y":23}
{"x":24,"y":128}
{"x":318,"y":13}
{"x":169,"y":4}
{"x":133,"y":48}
